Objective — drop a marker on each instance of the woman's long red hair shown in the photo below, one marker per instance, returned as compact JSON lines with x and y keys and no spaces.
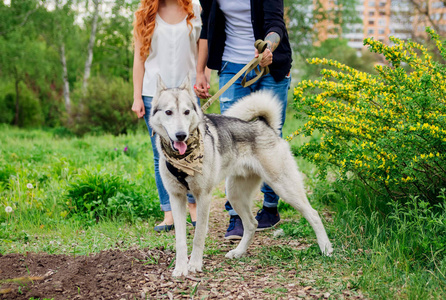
{"x":144,"y":23}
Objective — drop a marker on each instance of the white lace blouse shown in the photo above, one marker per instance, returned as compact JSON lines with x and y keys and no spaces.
{"x":173,"y":53}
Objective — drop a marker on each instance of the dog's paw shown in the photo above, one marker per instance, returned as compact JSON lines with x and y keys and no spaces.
{"x":327,"y":250}
{"x":234,"y":254}
{"x":177,"y":272}
{"x":194,"y":267}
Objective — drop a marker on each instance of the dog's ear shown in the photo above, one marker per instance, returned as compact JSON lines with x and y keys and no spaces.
{"x":160,"y":85}
{"x":186,"y":85}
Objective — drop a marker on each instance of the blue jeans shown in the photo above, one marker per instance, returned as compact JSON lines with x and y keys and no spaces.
{"x":237,"y":91}
{"x":162,"y":193}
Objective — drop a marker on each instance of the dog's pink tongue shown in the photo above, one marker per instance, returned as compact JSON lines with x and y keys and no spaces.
{"x":180,"y":146}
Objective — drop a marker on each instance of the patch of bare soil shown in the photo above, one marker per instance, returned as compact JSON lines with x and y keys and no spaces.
{"x":146,"y":274}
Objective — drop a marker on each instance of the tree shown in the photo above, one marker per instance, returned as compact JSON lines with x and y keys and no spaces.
{"x":114,"y":47}
{"x":21,"y":53}
{"x":303,"y":17}
{"x":55,"y":33}
{"x":428,"y":13}
{"x":61,"y":14}
{"x":89,"y":60}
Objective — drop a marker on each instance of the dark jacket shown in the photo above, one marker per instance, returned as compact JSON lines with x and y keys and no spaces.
{"x":266,"y":17}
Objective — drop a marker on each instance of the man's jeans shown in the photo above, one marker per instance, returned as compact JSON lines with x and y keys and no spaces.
{"x":236,"y":91}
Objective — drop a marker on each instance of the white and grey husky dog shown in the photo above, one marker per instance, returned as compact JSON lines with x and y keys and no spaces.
{"x":197,"y":151}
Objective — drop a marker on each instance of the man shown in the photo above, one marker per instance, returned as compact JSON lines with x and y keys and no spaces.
{"x":230,"y":28}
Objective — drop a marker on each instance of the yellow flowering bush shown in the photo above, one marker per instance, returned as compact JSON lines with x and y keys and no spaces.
{"x":388,"y":129}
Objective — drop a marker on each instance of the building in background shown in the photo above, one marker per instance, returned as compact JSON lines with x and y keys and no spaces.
{"x":381,"y":19}
{"x":429,"y":13}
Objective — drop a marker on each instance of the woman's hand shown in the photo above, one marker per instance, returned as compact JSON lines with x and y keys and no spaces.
{"x":138,"y":107}
{"x":202,"y":86}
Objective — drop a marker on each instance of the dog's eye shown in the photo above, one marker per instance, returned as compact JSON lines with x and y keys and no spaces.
{"x":168,"y":112}
{"x":187,"y":112}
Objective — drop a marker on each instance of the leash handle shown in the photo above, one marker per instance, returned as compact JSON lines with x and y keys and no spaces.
{"x":252,"y":65}
{"x":261,"y":46}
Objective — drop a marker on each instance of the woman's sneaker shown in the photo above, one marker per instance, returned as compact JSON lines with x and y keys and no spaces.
{"x":268,"y":217}
{"x":235,"y":229}
{"x":163,"y":228}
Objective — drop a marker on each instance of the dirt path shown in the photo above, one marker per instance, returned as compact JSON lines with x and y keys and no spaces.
{"x":146,"y":274}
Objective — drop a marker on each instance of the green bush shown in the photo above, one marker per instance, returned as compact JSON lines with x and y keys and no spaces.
{"x":338,"y":50}
{"x":133,"y":205}
{"x":30,"y":111}
{"x":106,"y":108}
{"x":418,"y":229}
{"x":389,"y":130}
{"x":95,"y":196}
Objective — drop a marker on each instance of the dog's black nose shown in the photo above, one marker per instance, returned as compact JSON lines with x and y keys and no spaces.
{"x":181,"y":136}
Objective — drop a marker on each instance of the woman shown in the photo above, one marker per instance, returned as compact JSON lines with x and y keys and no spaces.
{"x":166,"y":34}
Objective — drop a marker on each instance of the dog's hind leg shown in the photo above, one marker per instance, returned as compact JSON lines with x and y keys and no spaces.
{"x":178,"y":204}
{"x":299,"y":201}
{"x":289,"y":186}
{"x":196,"y":258}
{"x":240,"y":192}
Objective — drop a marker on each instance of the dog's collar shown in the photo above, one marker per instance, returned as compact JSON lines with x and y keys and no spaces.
{"x":191,"y":161}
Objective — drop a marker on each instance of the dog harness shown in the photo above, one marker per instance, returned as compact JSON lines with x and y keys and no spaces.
{"x":187,"y":164}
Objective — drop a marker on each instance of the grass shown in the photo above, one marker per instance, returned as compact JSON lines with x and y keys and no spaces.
{"x":400,"y":250}
{"x":74,"y":238}
{"x":381,"y":250}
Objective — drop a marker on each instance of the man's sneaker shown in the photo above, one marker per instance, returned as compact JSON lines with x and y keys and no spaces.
{"x":235,"y":229}
{"x":267,"y":217}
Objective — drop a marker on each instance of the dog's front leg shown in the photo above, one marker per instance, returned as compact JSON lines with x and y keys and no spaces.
{"x":178,"y":203}
{"x":196,"y":259}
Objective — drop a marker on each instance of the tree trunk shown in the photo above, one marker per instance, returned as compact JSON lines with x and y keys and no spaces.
{"x":17,"y":97}
{"x":422,"y":7}
{"x":66,"y":86}
{"x":91,"y":46}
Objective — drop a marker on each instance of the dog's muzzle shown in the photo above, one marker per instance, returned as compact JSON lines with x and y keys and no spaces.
{"x":180,"y":145}
{"x":186,"y":156}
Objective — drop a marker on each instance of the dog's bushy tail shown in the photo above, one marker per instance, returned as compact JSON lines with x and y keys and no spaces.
{"x":261,"y":104}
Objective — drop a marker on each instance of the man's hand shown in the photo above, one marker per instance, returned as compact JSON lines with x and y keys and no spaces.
{"x":273,"y":40}
{"x":267,"y":58}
